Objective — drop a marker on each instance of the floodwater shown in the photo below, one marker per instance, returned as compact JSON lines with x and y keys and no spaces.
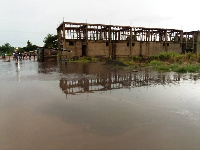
{"x":78,"y":106}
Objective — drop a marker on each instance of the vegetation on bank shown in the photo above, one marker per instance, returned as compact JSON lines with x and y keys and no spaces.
{"x":86,"y":59}
{"x":167,"y":61}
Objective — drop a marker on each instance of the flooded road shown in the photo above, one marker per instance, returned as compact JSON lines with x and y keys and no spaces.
{"x":78,"y":106}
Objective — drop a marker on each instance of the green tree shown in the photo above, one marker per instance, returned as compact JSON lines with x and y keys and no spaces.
{"x":29,"y":47}
{"x":7,"y":48}
{"x":21,"y":50}
{"x":51,"y":41}
{"x":29,"y":44}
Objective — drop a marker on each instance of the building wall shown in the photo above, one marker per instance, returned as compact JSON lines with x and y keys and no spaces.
{"x":97,"y":49}
{"x":75,"y":48}
{"x":198,"y":48}
{"x":135,"y":50}
{"x":198,"y":44}
{"x":146,"y":48}
{"x":122,"y":48}
{"x":154,"y":48}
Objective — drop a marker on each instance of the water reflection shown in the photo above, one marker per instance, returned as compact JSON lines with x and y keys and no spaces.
{"x":83,"y":77}
{"x":47,"y":67}
{"x":18,"y":65}
{"x":39,"y":116}
{"x":116,"y":80}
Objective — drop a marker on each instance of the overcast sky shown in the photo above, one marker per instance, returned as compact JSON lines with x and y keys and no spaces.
{"x":23,"y":20}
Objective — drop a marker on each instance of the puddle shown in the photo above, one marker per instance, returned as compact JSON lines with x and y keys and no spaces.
{"x":94,"y":107}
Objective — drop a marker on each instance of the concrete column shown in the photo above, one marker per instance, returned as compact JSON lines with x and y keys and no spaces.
{"x":109,"y":34}
{"x":86,"y":40}
{"x":181,"y":41}
{"x":166,"y":40}
{"x":186,"y":41}
{"x":181,"y":37}
{"x":193,"y":36}
{"x":64,"y":39}
{"x":109,"y":41}
{"x":130,"y":42}
{"x":59,"y":34}
{"x":197,"y":43}
{"x":86,"y":33}
{"x":148,"y":35}
{"x":79,"y":32}
{"x":165,"y":35}
{"x":59,"y":40}
{"x":97,"y":33}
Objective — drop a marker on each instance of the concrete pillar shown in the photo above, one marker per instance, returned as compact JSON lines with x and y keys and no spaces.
{"x":97,"y":33}
{"x":181,"y":41}
{"x":130,"y":42}
{"x":165,"y":35}
{"x":86,"y":33}
{"x":197,"y":43}
{"x":79,"y":32}
{"x":59,"y":41}
{"x":59,"y":34}
{"x":166,"y":40}
{"x":148,"y":35}
{"x":181,"y":37}
{"x":186,"y":41}
{"x":193,"y":36}
{"x":109,"y":41}
{"x":64,"y":39}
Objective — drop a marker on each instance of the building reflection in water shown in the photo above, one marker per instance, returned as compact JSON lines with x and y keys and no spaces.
{"x":81,"y":78}
{"x":115,"y":80}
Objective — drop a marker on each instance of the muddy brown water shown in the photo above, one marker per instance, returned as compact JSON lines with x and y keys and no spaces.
{"x":78,"y":106}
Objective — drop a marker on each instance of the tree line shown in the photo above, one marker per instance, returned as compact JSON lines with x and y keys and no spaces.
{"x":50,"y":41}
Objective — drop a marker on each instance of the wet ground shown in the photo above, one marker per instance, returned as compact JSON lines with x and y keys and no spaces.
{"x":78,"y":106}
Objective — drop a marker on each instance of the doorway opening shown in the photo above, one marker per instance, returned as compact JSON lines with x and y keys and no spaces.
{"x":84,"y":48}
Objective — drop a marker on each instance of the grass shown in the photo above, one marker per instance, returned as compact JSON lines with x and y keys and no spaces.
{"x":166,"y":61}
{"x":176,"y":67}
{"x":86,"y":59}
{"x":187,"y":68}
{"x":127,"y":61}
{"x":159,"y":65}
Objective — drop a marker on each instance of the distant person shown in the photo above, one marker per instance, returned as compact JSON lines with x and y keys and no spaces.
{"x":20,"y":56}
{"x":16,"y":56}
{"x":25,"y":55}
{"x":29,"y":56}
{"x":3,"y":55}
{"x":34,"y":55}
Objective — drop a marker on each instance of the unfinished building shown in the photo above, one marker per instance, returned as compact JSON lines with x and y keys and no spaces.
{"x":191,"y":42}
{"x":98,"y":40}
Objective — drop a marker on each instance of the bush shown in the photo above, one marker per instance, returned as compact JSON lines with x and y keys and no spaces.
{"x":181,"y":70}
{"x":159,"y":65}
{"x":164,"y":56}
{"x":156,"y":63}
{"x":95,"y":59}
{"x":126,"y":61}
{"x":137,"y":58}
{"x":187,"y":68}
{"x":174,"y":66}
